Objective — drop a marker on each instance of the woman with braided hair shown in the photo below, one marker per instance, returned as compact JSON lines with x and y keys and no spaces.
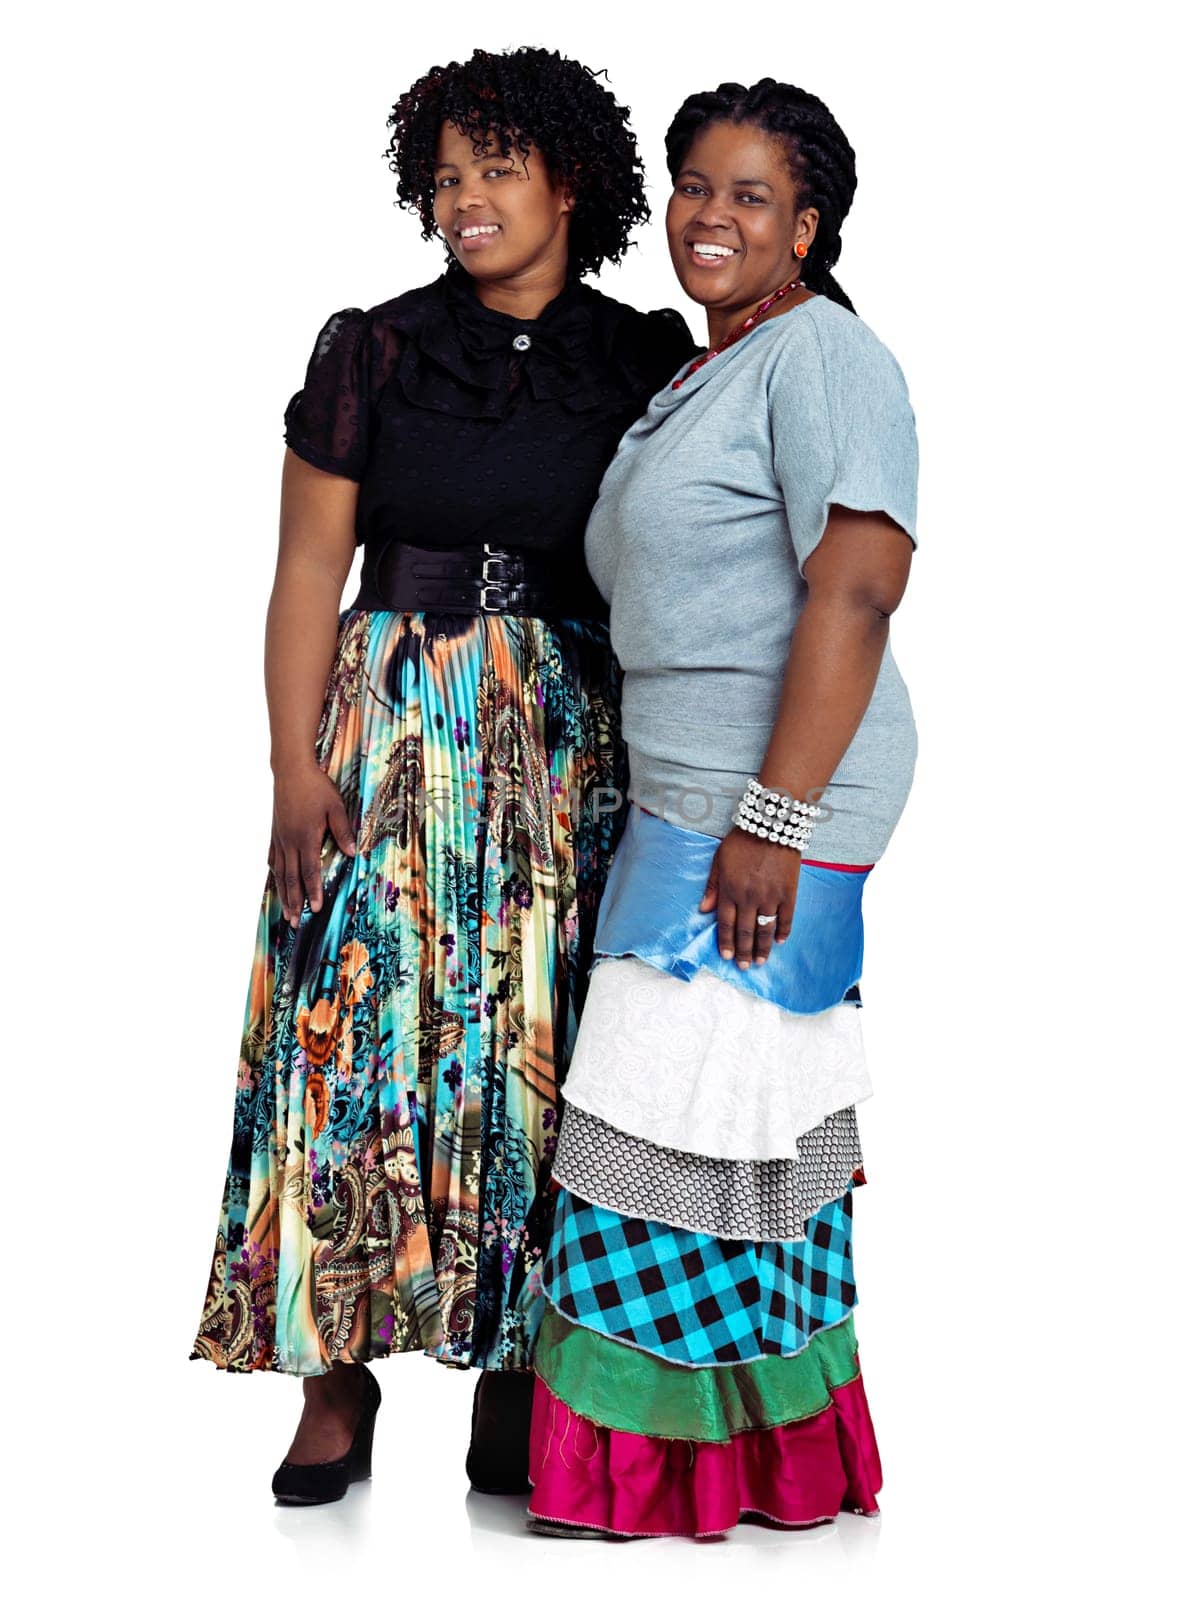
{"x":697,"y":1361}
{"x":448,"y":776}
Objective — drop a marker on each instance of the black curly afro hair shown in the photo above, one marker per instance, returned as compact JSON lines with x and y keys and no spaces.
{"x":521,"y":99}
{"x":819,"y":154}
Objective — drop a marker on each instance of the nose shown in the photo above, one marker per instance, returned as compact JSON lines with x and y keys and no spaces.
{"x":467,"y":199}
{"x":713,"y":213}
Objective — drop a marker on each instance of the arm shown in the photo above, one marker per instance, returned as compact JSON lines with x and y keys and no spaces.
{"x":856,"y":577}
{"x":316,"y":548}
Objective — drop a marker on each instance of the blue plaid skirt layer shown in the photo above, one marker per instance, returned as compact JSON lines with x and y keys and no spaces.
{"x":694,"y":1299}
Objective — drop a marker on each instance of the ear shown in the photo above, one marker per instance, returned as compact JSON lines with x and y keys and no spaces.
{"x":806,"y":225}
{"x":569,"y":185}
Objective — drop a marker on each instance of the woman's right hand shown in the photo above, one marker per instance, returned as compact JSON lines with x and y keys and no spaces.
{"x":307,"y":803}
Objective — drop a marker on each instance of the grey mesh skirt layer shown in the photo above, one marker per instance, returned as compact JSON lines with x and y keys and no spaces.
{"x":729,"y":1199}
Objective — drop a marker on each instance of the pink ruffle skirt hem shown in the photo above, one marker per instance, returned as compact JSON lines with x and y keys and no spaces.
{"x":797,"y":1475}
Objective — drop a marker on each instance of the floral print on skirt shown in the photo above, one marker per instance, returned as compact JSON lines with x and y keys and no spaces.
{"x":396,"y":1105}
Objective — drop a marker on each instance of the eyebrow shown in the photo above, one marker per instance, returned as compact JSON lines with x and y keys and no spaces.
{"x":494,"y":156}
{"x":738,"y":183}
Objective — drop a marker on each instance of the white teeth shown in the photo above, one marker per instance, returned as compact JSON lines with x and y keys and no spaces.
{"x":473,"y":233}
{"x":712,"y":250}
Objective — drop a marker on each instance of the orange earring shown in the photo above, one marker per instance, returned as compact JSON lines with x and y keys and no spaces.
{"x":799,"y":250}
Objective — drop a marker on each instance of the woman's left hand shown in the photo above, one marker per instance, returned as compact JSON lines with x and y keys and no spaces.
{"x":750,"y":877}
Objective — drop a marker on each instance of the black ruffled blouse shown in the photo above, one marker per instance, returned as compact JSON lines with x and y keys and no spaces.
{"x":463,"y":424}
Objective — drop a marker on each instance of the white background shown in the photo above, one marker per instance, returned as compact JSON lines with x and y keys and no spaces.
{"x":191,"y":192}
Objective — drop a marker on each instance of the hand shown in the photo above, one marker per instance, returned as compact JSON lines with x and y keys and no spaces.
{"x":307,"y":803}
{"x":750,"y":875}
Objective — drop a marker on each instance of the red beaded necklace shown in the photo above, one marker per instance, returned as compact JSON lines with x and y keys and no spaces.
{"x":737,"y":332}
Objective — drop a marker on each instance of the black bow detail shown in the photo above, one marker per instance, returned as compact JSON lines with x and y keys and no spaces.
{"x":474,"y":344}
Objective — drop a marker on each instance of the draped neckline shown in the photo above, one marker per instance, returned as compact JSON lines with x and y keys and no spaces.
{"x":560,"y":354}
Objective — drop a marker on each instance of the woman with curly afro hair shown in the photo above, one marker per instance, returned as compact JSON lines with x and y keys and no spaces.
{"x":449,"y":781}
{"x":697,"y":1360}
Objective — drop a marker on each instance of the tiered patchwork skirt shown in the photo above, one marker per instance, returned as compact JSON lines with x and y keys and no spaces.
{"x":396,"y":1108}
{"x":697,"y":1360}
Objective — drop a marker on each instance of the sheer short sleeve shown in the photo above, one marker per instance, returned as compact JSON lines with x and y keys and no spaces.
{"x":649,"y":349}
{"x":844,"y":430}
{"x":671,"y":344}
{"x":328,"y":421}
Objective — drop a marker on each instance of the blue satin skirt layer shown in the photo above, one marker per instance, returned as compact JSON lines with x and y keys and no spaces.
{"x":650,"y":910}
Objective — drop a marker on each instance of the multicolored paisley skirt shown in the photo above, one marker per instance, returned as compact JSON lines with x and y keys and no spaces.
{"x":396,"y":1109}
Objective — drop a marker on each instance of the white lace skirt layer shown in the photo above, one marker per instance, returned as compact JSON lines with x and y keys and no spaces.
{"x":700,"y":1065}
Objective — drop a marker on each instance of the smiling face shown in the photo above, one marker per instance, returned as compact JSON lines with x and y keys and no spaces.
{"x":732,"y":220}
{"x":502,"y":216}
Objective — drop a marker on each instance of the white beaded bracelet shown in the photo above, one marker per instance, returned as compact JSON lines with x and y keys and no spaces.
{"x":776,"y":798}
{"x":776,"y":817}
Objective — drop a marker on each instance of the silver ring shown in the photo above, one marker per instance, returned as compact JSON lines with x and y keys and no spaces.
{"x":765,"y":922}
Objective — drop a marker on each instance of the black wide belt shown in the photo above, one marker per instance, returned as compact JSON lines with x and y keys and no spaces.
{"x":398,"y":576}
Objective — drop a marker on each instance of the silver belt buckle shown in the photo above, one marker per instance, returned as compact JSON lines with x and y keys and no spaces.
{"x":489,"y":583}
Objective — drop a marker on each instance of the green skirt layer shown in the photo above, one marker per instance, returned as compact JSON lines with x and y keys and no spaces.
{"x":617,"y":1386}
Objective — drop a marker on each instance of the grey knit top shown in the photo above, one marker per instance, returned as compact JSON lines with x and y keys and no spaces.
{"x":705,"y":518}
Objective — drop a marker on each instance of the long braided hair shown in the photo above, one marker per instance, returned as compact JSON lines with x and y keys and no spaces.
{"x":819,"y":154}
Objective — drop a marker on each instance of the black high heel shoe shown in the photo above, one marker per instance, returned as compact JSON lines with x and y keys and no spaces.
{"x":319,"y":1482}
{"x":498,"y":1460}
